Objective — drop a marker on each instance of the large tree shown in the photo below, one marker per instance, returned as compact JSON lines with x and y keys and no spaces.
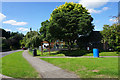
{"x":69,"y":21}
{"x":44,"y":32}
{"x":111,"y":35}
{"x":31,"y":40}
{"x":4,"y":33}
{"x":10,"y":40}
{"x":15,"y":39}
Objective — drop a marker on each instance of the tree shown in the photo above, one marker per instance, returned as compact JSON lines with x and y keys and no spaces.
{"x":69,"y":21}
{"x":111,"y":35}
{"x":10,"y":40}
{"x":44,"y":31}
{"x":15,"y":39}
{"x":5,"y":46}
{"x":82,"y":42}
{"x":4,"y":33}
{"x":31,"y":40}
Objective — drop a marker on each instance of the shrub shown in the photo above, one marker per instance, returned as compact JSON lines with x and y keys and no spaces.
{"x":73,"y":52}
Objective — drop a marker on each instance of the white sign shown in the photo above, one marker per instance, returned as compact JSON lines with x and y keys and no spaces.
{"x":88,"y":48}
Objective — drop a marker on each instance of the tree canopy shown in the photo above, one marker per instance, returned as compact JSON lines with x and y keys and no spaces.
{"x":44,"y":31}
{"x":111,"y":35}
{"x":31,"y":40}
{"x":10,"y":40}
{"x":69,"y":21}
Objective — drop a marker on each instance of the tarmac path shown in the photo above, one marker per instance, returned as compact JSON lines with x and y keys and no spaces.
{"x":2,"y":54}
{"x":46,"y":69}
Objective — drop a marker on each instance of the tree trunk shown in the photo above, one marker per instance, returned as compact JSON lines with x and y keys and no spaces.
{"x":68,"y":45}
{"x":104,"y":46}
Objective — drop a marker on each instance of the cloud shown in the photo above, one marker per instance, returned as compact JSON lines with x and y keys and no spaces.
{"x":94,"y":11}
{"x":23,"y":29}
{"x":8,"y":29}
{"x":105,"y":8}
{"x":2,"y":16}
{"x":13,"y":22}
{"x":91,"y":4}
{"x":98,"y":11}
{"x":113,"y":20}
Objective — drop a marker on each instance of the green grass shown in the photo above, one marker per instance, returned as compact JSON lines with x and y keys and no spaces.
{"x":103,"y":54}
{"x":14,"y":65}
{"x":88,"y":67}
{"x":85,"y":53}
{"x":52,"y":53}
{"x":73,"y":53}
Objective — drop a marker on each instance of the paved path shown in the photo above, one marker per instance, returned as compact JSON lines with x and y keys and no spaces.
{"x":46,"y":69}
{"x":3,"y":77}
{"x":2,"y":54}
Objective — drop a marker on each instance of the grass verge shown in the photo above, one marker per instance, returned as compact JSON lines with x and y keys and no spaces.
{"x":52,"y":53}
{"x":103,"y":54}
{"x":85,"y":53}
{"x":88,"y":67}
{"x":14,"y":65}
{"x":73,"y":53}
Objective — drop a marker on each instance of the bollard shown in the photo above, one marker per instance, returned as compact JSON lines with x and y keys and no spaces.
{"x":34,"y":52}
{"x":95,"y":52}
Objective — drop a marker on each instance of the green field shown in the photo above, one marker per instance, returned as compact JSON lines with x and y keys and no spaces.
{"x":14,"y":65}
{"x":88,"y":67}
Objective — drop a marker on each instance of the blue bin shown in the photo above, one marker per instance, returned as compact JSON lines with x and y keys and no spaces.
{"x":95,"y":52}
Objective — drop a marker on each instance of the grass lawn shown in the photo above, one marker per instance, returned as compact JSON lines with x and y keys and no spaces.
{"x":88,"y":67}
{"x":14,"y":65}
{"x":52,"y":53}
{"x":73,"y":53}
{"x":103,"y":54}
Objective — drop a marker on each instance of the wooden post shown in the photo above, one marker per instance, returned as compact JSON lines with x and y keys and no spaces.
{"x":49,"y":48}
{"x":41,"y":49}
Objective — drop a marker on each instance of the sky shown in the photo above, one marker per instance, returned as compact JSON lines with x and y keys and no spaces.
{"x":21,"y":16}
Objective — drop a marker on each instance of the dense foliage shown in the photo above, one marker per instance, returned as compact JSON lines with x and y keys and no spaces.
{"x":31,"y":40}
{"x":10,"y":40}
{"x":111,"y":36}
{"x":69,"y":21}
{"x":44,"y":31}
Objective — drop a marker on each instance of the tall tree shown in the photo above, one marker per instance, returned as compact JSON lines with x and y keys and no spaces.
{"x":111,"y":35}
{"x":32,"y":39}
{"x":69,"y":21}
{"x":4,"y":33}
{"x":15,"y":39}
{"x":44,"y":31}
{"x":10,"y":40}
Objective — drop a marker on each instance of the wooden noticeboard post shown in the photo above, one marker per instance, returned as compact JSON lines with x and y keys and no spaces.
{"x":42,"y":47}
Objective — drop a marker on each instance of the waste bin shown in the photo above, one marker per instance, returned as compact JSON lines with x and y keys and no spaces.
{"x":95,"y":52}
{"x":34,"y":52}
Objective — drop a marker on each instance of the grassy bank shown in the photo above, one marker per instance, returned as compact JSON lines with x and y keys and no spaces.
{"x":88,"y":67}
{"x":14,"y":65}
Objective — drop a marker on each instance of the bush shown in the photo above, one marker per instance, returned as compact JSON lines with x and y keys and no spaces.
{"x":73,"y":52}
{"x":60,"y":55}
